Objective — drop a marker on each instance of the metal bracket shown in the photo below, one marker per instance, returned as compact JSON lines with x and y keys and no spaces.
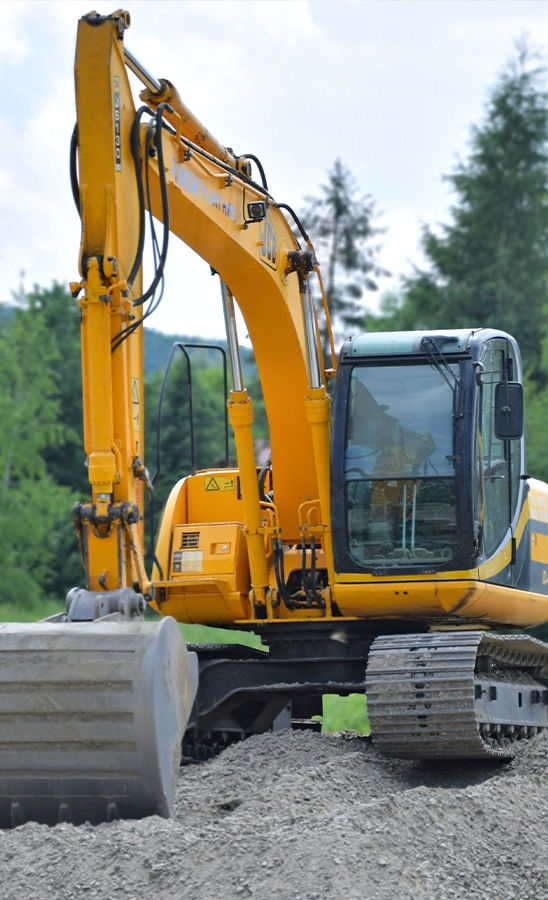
{"x":88,"y":606}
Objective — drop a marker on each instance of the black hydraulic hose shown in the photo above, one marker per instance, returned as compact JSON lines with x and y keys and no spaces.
{"x":258,"y":163}
{"x":195,"y":148}
{"x":136,"y":153}
{"x":73,"y":168}
{"x":279,"y":571}
{"x":262,"y":479}
{"x":154,"y":300}
{"x":154,"y":135}
{"x":75,"y":187}
{"x":165,"y":207}
{"x":296,"y":219}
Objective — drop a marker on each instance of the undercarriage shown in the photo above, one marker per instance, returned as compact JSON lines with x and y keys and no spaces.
{"x":458,"y":694}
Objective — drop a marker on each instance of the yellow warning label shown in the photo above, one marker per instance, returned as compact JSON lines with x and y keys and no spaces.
{"x":219,"y":483}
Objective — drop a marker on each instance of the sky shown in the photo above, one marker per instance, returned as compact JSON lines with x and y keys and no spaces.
{"x":391,"y":87}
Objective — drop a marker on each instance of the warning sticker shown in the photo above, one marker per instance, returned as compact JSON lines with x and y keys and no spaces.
{"x":219,"y":483}
{"x":188,"y":561}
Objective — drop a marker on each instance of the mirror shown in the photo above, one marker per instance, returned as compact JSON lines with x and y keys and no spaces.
{"x":508,"y":410}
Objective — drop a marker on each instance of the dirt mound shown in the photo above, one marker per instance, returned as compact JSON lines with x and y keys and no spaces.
{"x":302,"y":815}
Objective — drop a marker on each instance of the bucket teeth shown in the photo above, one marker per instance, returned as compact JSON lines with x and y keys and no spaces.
{"x":92,"y":716}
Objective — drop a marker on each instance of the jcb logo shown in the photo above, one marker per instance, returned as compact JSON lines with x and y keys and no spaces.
{"x":269,"y":248}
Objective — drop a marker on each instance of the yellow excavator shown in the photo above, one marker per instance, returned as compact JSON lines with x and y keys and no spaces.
{"x":393,"y":544}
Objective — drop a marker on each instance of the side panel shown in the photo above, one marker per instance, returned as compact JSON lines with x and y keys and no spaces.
{"x":534,"y":544}
{"x":452,"y":602}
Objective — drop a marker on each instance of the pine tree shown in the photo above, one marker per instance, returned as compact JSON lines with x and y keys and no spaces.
{"x":489,"y":266}
{"x":341,"y":225}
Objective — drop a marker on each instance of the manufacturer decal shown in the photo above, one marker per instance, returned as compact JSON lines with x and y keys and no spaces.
{"x":269,"y":245}
{"x":193,"y":185}
{"x":117,"y":126}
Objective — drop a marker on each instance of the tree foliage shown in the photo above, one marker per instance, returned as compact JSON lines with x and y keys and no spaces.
{"x":60,"y":316}
{"x":208,"y":402}
{"x":488,"y":266}
{"x":341,"y":225}
{"x":42,"y":459}
{"x":32,"y":504}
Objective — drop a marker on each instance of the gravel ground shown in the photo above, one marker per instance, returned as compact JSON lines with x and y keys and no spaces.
{"x":298,"y":816}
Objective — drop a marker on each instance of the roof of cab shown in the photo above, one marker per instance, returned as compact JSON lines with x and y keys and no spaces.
{"x":395,"y":343}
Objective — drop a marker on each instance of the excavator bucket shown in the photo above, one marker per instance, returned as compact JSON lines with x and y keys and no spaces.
{"x":92,"y":716}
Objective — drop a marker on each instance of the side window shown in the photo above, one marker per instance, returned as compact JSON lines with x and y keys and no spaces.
{"x":497,"y":461}
{"x":514,"y":446}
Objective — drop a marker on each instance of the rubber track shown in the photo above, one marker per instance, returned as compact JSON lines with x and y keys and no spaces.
{"x":420,"y":692}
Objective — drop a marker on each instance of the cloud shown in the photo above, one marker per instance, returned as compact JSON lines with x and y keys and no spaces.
{"x":399,"y":251}
{"x":391,"y":88}
{"x":14,"y":47}
{"x":278,"y":19}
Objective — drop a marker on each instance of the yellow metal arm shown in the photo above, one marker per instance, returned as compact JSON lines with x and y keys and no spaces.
{"x":112,"y":378}
{"x":204,"y":195}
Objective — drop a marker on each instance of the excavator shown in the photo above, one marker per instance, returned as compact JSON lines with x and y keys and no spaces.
{"x":393,"y":545}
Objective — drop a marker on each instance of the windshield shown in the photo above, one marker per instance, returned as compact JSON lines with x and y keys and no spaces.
{"x":399,"y":465}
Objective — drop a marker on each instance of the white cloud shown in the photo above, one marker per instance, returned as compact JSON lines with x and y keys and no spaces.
{"x":391,"y":88}
{"x":287,"y":20}
{"x":13,"y":44}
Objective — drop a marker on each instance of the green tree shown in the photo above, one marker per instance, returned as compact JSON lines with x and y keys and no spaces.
{"x":393,"y":314}
{"x":32,"y":506}
{"x":489,"y":265}
{"x":341,"y":225}
{"x":60,"y":317}
{"x":536,"y":430}
{"x":175,"y":426}
{"x":65,"y":459}
{"x":42,"y":469}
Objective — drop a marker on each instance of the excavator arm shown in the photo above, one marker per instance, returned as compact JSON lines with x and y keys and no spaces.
{"x":161,"y":158}
{"x":99,"y":699}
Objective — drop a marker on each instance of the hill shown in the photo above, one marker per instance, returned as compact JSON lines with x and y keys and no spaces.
{"x":158,"y":347}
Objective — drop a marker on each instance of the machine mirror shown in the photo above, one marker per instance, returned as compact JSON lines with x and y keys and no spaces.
{"x":508,"y":410}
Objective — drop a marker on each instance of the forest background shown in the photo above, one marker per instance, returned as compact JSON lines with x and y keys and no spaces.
{"x":488,"y":266}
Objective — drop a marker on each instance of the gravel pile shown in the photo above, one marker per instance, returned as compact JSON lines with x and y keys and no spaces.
{"x":298,"y":816}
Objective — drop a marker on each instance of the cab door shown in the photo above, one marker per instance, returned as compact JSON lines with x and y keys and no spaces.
{"x":497,"y":468}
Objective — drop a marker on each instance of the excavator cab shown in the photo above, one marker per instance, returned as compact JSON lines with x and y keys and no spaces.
{"x":427,"y":455}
